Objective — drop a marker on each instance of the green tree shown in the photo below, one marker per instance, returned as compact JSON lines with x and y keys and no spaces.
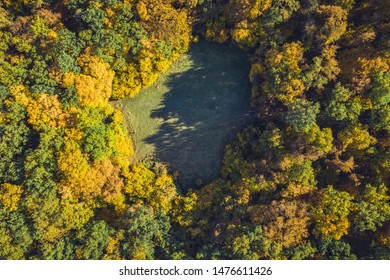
{"x":15,"y":236}
{"x":92,"y":241}
{"x":373,"y":209}
{"x":335,"y":250}
{"x":146,"y":234}
{"x":301,"y":114}
{"x":14,"y":136}
{"x":380,"y":114}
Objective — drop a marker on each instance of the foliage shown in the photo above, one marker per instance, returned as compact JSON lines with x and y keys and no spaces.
{"x":308,"y":179}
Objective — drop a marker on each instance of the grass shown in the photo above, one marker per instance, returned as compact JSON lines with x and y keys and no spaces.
{"x":186,"y":118}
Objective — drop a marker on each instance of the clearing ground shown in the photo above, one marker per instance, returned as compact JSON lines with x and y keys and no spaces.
{"x":186,"y":118}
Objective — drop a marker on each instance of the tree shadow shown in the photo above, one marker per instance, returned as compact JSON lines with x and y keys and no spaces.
{"x":203,"y":110}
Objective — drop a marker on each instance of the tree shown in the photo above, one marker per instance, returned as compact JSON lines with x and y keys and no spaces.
{"x":144,"y":186}
{"x":324,"y":68}
{"x":10,"y":196}
{"x":301,"y":114}
{"x":333,"y":23}
{"x":244,"y":16}
{"x":92,"y":242}
{"x":373,"y":209}
{"x":94,"y":85}
{"x":356,"y":138}
{"x":45,"y":110}
{"x":127,"y":82}
{"x":380,"y":114}
{"x":321,"y":140}
{"x":330,"y":215}
{"x":285,"y":223}
{"x":14,"y":136}
{"x":146,"y":233}
{"x":283,"y":73}
{"x":15,"y":236}
{"x":63,"y":249}
{"x":280,"y":11}
{"x":335,"y":250}
{"x":342,"y":106}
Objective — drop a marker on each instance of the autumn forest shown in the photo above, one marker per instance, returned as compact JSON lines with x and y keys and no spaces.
{"x":306,"y":176}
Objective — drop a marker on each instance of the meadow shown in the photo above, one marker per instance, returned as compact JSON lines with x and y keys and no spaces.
{"x":189,"y":114}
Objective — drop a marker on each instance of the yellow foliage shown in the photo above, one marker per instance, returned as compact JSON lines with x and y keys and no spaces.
{"x":241,"y":244}
{"x":285,"y":222}
{"x":52,"y":35}
{"x":294,"y":189}
{"x":240,"y":34}
{"x":20,"y":94}
{"x":82,"y":181}
{"x":183,"y":205}
{"x":259,"y":7}
{"x":73,"y":215}
{"x":142,"y":11}
{"x":368,"y":66}
{"x":73,"y":134}
{"x":243,"y":195}
{"x":287,"y":232}
{"x":335,"y":24}
{"x":145,"y":186}
{"x":162,"y":65}
{"x":333,"y":229}
{"x":147,"y":71}
{"x":127,"y":82}
{"x":75,"y":170}
{"x":52,"y":233}
{"x":290,"y":56}
{"x":44,"y":109}
{"x":94,"y":86}
{"x":112,"y":251}
{"x":247,"y":34}
{"x":244,"y":16}
{"x":291,"y":89}
{"x":165,"y":23}
{"x":140,"y":182}
{"x":120,"y":142}
{"x":10,"y":196}
{"x":356,"y":138}
{"x":331,"y":214}
{"x":163,"y":193}
{"x":113,"y":185}
{"x":68,"y":79}
{"x":286,"y":69}
{"x":217,"y":31}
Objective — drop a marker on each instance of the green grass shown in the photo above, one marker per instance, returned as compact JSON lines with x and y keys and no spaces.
{"x":186,"y":118}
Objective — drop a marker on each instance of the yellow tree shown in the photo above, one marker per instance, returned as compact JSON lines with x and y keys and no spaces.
{"x":285,"y":224}
{"x":94,"y":85}
{"x":44,"y":109}
{"x":356,"y":138}
{"x":330,"y":214}
{"x":333,"y":23}
{"x":127,"y":82}
{"x":283,"y":67}
{"x":10,"y":196}
{"x":244,"y":15}
{"x":144,"y":186}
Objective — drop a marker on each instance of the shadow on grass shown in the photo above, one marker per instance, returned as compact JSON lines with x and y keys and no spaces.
{"x":203,"y":110}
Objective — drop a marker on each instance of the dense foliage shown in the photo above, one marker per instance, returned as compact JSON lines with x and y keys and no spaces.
{"x":309,"y":179}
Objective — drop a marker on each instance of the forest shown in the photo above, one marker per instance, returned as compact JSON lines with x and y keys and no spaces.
{"x":307,"y":179}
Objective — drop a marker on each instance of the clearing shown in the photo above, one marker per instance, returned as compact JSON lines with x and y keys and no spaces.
{"x":186,"y":118}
